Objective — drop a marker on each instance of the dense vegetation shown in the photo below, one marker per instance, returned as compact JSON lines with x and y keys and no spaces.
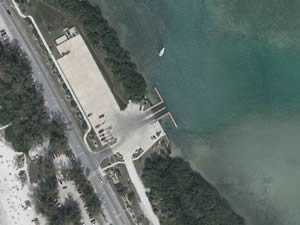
{"x":58,"y":138}
{"x":103,"y":36}
{"x":88,"y":194}
{"x":184,"y":197}
{"x":21,"y":104}
{"x":46,"y":195}
{"x":43,"y":172}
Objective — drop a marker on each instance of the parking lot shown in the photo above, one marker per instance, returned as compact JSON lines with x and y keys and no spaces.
{"x":124,"y":130}
{"x":68,"y":190}
{"x":4,"y":31}
{"x":4,"y":39}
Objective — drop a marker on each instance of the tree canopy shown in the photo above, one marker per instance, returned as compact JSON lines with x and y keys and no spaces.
{"x":89,"y":196}
{"x":21,"y":103}
{"x":101,"y":35}
{"x":22,"y":106}
{"x":46,"y":196}
{"x":184,"y":197}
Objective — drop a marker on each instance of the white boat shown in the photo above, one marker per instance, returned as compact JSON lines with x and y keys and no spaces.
{"x":161,"y":52}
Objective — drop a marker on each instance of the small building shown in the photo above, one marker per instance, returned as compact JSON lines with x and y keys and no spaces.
{"x":61,"y":39}
{"x":68,"y":33}
{"x":72,"y":32}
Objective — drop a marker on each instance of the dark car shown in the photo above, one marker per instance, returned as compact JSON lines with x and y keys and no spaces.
{"x":101,"y":116}
{"x":8,"y":12}
{"x":100,"y":131}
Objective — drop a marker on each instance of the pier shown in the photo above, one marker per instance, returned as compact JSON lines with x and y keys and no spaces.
{"x":159,"y":110}
{"x":161,"y":100}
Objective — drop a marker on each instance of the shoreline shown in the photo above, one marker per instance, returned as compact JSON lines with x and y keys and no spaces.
{"x":148,"y":95}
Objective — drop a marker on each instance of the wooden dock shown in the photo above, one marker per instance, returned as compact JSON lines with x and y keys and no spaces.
{"x":161,"y":101}
{"x":171,"y":117}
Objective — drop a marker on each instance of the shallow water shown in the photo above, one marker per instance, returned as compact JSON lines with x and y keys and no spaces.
{"x":230,"y":76}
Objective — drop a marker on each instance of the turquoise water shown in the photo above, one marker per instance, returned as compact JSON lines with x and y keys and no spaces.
{"x":231,"y":78}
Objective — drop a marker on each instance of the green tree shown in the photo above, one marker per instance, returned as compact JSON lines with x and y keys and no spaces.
{"x":184,"y":197}
{"x":104,"y":37}
{"x":22,"y":105}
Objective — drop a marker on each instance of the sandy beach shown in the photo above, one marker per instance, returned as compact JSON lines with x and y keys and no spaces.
{"x":13,"y":193}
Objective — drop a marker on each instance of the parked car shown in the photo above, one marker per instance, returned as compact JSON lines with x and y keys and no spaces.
{"x":100,"y":131}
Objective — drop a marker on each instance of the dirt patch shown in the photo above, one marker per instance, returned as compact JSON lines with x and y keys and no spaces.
{"x":51,"y":22}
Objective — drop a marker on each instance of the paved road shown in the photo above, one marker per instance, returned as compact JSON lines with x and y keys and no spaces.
{"x":55,"y":103}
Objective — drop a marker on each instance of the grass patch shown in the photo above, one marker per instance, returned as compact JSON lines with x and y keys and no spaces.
{"x":37,"y":16}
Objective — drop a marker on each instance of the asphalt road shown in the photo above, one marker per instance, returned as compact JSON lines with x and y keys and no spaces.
{"x":55,"y":103}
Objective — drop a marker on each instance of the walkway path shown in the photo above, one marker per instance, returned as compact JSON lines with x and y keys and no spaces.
{"x":4,"y":127}
{"x":140,"y":189}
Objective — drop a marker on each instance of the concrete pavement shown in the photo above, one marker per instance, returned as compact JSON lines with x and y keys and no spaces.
{"x":112,"y":207}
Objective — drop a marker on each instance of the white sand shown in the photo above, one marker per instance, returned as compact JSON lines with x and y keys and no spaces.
{"x":12,"y":194}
